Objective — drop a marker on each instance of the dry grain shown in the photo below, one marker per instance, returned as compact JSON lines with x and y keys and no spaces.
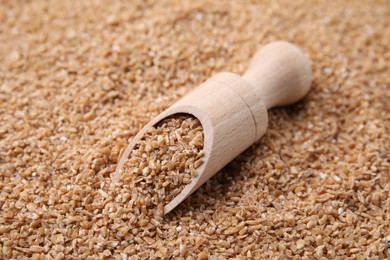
{"x":164,"y":160}
{"x":79,"y":79}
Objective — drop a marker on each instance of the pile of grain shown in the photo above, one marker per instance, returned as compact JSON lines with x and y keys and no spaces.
{"x":78,"y":79}
{"x":164,"y":160}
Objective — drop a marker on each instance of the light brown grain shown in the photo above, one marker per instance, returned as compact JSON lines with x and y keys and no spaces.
{"x":79,"y":79}
{"x":164,"y":160}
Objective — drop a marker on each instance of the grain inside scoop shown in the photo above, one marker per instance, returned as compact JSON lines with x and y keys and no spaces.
{"x":229,"y":113}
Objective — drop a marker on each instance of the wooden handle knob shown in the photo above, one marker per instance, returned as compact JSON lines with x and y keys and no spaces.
{"x":280,"y":73}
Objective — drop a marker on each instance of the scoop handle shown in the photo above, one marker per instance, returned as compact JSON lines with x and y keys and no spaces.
{"x":280,"y":73}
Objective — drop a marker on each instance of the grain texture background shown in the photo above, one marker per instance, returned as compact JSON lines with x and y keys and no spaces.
{"x":78,"y":79}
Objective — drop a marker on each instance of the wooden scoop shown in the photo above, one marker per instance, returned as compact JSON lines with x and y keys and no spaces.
{"x":233,"y":109}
